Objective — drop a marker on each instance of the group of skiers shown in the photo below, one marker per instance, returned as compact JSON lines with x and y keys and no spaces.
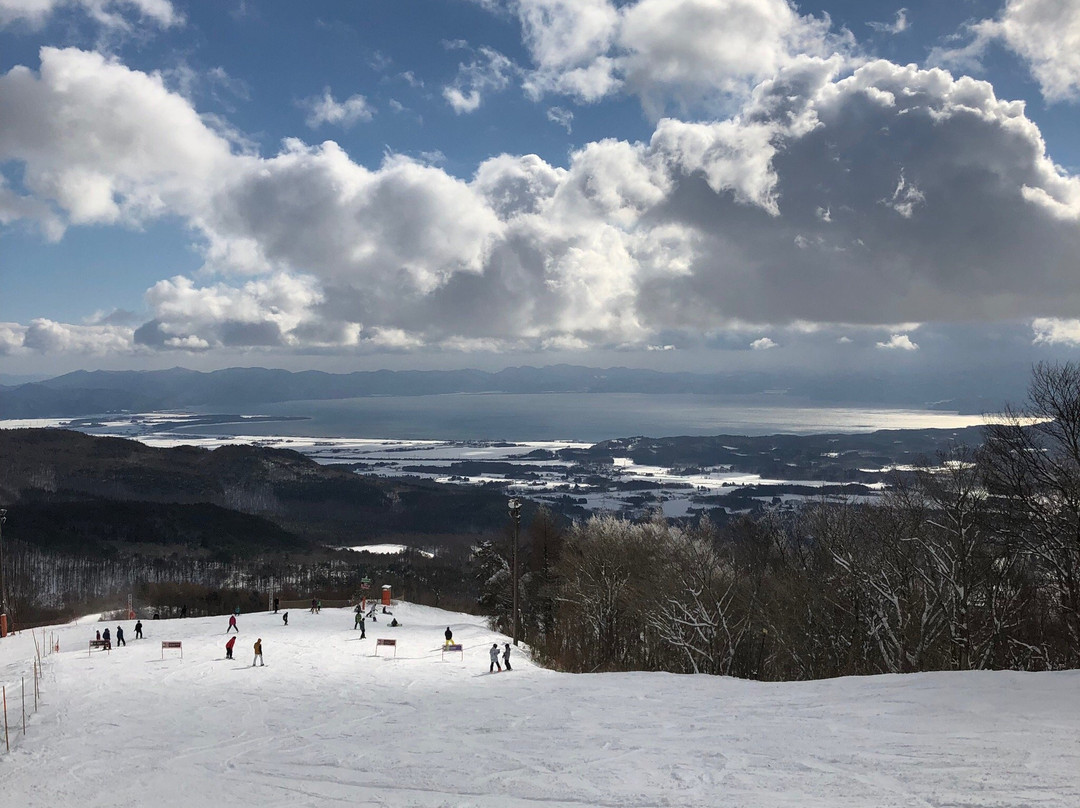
{"x":258,"y":651}
{"x":258,"y":643}
{"x":358,"y":622}
{"x":494,"y":654}
{"x":106,"y":637}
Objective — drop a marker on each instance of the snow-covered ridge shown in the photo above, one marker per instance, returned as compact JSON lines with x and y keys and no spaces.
{"x":327,"y":722}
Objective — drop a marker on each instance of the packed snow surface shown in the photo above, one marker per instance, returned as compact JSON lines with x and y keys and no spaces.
{"x":327,"y":722}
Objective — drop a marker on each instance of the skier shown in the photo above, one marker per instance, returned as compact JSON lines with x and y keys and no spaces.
{"x":449,"y":636}
{"x":314,"y":603}
{"x":183,"y":611}
{"x":275,"y":605}
{"x":120,"y":636}
{"x":232,"y":624}
{"x":138,"y":630}
{"x":258,"y":652}
{"x":358,"y":620}
{"x":236,"y":611}
{"x":284,"y":618}
{"x":108,"y":640}
{"x":506,"y":657}
{"x":98,"y":637}
{"x":495,"y":667}
{"x":229,"y":646}
{"x":363,"y":632}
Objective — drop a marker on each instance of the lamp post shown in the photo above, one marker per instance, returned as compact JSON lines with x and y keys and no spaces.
{"x":3,"y":583}
{"x":515,"y":513}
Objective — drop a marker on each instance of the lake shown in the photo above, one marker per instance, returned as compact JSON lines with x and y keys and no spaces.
{"x":589,"y":417}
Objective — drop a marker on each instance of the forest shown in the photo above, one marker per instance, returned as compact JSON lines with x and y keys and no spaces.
{"x":970,"y":561}
{"x":91,"y":520}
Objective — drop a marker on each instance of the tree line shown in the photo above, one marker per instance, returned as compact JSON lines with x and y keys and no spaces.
{"x":44,"y":586}
{"x":969,"y":561}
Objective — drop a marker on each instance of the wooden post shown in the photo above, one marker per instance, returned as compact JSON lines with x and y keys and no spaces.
{"x":6,"y":744}
{"x":35,"y":684}
{"x":23,"y":680}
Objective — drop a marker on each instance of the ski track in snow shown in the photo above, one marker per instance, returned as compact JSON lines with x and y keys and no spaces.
{"x":328,"y":723}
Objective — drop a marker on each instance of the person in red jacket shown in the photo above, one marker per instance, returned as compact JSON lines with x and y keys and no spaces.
{"x":232,"y":624}
{"x":229,"y":646}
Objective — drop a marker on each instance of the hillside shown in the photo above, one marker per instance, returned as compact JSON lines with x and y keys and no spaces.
{"x":248,"y":488}
{"x":327,"y":722}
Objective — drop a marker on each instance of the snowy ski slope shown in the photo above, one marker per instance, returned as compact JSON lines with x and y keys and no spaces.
{"x":327,"y":723}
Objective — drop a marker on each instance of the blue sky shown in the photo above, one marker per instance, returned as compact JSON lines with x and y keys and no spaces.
{"x":709,"y":184}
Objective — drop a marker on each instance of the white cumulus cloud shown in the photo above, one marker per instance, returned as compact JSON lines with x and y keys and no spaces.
{"x":324,"y":109}
{"x":686,"y":54}
{"x":1056,"y":331}
{"x":488,"y":72}
{"x":898,"y":342}
{"x":112,"y":14}
{"x":1044,"y":33}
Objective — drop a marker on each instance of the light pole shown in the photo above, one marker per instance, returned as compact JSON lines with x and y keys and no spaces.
{"x":3,"y":583}
{"x":515,"y":513}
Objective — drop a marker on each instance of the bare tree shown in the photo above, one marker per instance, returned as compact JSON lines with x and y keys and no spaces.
{"x":1032,"y":465}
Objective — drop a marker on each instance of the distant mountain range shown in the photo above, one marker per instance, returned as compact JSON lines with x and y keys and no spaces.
{"x":96,"y":392}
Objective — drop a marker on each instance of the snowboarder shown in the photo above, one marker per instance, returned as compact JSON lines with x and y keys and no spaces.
{"x":138,"y":630}
{"x":236,"y":611}
{"x":229,"y":646}
{"x":258,"y":652}
{"x":506,"y":656}
{"x":318,"y":606}
{"x":495,"y":667}
{"x":120,"y":636}
{"x":108,"y":640}
{"x":275,"y":605}
{"x":285,"y":618}
{"x":449,"y":636}
{"x":363,"y":631}
{"x":394,"y":623}
{"x":232,"y":624}
{"x":314,"y":603}
{"x":358,"y":621}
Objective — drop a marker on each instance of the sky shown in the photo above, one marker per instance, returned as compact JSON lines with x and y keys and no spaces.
{"x":703,"y":185}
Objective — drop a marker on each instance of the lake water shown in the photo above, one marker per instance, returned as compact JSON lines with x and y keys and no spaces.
{"x":575,"y":416}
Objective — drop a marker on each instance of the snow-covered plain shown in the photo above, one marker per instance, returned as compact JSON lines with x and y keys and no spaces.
{"x":326,"y":722}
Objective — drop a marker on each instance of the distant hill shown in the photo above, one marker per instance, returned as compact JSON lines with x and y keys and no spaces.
{"x":75,"y":492}
{"x":96,"y":392}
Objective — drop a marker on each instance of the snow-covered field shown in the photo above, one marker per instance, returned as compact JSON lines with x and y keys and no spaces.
{"x":328,"y":723}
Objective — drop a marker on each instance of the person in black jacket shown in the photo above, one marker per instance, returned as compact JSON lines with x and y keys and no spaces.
{"x":449,"y":636}
{"x":138,"y":630}
{"x":120,"y":636}
{"x":108,"y":639}
{"x":506,"y":656}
